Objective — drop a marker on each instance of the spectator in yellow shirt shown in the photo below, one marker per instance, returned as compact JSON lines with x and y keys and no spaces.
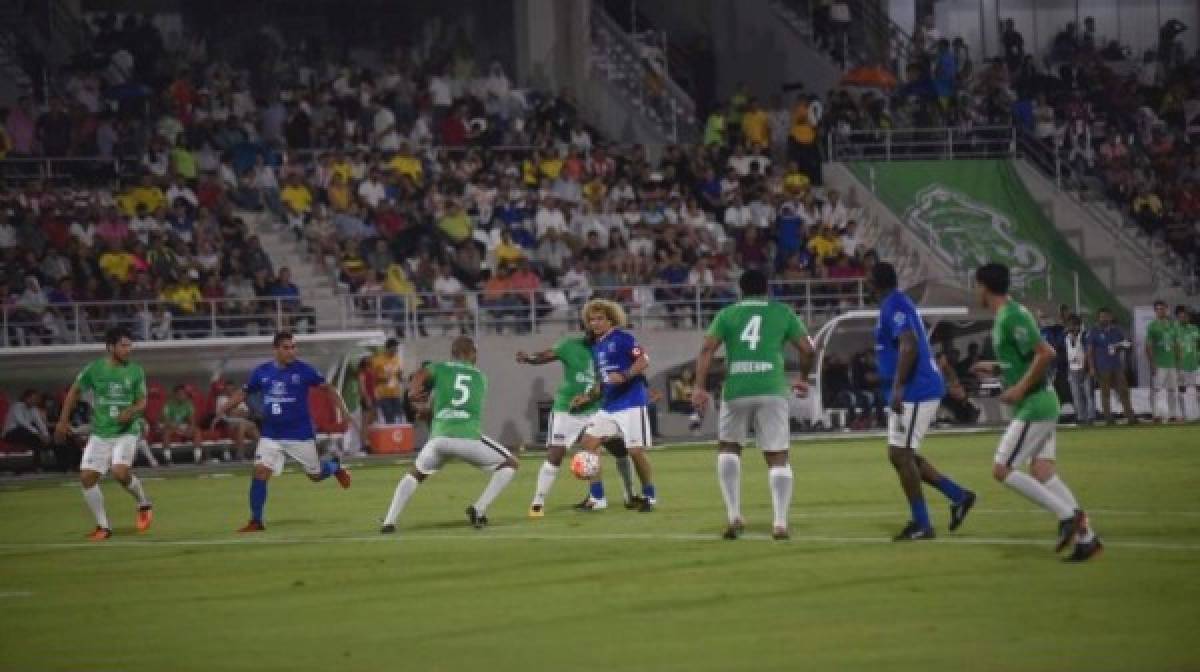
{"x":508,"y":253}
{"x":116,"y":264}
{"x":404,"y":164}
{"x":455,"y":224}
{"x":825,"y":245}
{"x":296,"y":196}
{"x":386,"y":369}
{"x":756,"y":127}
{"x":339,"y":193}
{"x":147,"y":193}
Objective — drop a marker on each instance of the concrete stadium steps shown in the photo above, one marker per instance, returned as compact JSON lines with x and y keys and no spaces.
{"x":317,"y":288}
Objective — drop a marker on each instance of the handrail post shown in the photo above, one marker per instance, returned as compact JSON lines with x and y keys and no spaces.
{"x":78,"y":324}
{"x":696,"y":304}
{"x":278,"y":314}
{"x":808,"y":308}
{"x":478,"y":309}
{"x":532,"y":311}
{"x":862,"y":297}
{"x":212,"y":312}
{"x":950,"y":143}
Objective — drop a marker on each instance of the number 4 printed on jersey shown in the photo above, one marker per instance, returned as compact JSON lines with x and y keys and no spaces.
{"x":750,"y":334}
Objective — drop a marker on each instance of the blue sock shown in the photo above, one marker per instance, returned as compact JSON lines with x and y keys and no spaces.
{"x":920,"y":514}
{"x":648,"y":491}
{"x":328,"y":468}
{"x":597,"y":490}
{"x":258,"y":499}
{"x":953,"y":491}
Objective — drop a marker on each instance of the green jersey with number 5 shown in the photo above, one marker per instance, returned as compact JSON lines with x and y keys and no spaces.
{"x":755,"y":332}
{"x":458,"y":392}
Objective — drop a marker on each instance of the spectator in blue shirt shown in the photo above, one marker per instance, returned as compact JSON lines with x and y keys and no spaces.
{"x":293,"y":310}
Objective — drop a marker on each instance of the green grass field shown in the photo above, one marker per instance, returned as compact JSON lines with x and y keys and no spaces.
{"x":321,"y":590}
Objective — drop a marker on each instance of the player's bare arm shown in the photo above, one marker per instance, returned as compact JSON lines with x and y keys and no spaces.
{"x":1043,"y":356}
{"x":636,"y":369}
{"x":63,"y":426}
{"x":342,"y":407}
{"x":808,"y":355}
{"x":418,"y":390}
{"x":700,"y":396}
{"x":132,"y":411}
{"x":586,"y":398}
{"x":235,"y":399}
{"x":906,"y":356}
{"x":537,"y":358}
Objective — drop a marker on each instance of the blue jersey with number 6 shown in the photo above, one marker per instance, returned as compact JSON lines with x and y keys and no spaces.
{"x":285,"y":399}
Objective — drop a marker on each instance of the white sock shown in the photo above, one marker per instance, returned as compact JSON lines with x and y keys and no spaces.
{"x":500,"y":480}
{"x":1060,"y":490}
{"x":404,"y":490}
{"x":729,"y":477}
{"x":1039,"y":494}
{"x":95,"y":502}
{"x":135,"y":488}
{"x":625,"y":469}
{"x":545,"y":479}
{"x":781,"y":481}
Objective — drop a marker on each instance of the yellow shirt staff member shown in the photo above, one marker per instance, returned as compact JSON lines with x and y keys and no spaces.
{"x":386,"y":370}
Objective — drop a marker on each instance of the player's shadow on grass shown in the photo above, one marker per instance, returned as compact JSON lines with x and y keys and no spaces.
{"x":460,"y":524}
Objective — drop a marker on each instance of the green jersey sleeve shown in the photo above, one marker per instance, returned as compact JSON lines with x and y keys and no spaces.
{"x":717,"y":328}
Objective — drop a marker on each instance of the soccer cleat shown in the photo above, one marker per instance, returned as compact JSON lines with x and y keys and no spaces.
{"x":100,"y":534}
{"x":1069,"y":529}
{"x":252,"y":526}
{"x":478,"y":520}
{"x":782,"y":534}
{"x":734,"y":530}
{"x":647,"y":505}
{"x":145,"y":516}
{"x":387,"y":529}
{"x":959,"y":511}
{"x":634,"y":502}
{"x":914,"y":532}
{"x":1085,"y":551}
{"x":343,"y":477}
{"x":537,"y":511}
{"x":591,"y":504}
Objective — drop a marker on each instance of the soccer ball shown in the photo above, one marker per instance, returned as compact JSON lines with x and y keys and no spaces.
{"x":585,"y":465}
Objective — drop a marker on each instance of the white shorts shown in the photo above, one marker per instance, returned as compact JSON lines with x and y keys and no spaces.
{"x":1024,"y":441}
{"x":483,"y":452}
{"x":769,"y":414}
{"x":99,"y":454}
{"x":565,"y":428}
{"x":1189,"y":378}
{"x":271,"y":453}
{"x":1166,"y":379}
{"x":908,"y":429}
{"x":630,"y":424}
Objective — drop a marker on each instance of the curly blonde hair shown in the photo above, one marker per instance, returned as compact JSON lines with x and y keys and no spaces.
{"x":611,"y":309}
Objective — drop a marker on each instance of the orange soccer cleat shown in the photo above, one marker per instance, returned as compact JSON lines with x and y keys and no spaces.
{"x":343,"y":477}
{"x":145,"y":516}
{"x":252,"y":526}
{"x":100,"y":534}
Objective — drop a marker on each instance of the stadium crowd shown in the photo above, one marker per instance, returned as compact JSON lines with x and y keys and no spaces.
{"x":422,"y":173}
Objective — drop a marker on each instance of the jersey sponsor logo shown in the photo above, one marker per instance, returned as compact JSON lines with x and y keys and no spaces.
{"x":453,"y":414}
{"x":1021,"y":334}
{"x":899,"y":319}
{"x":751,"y":367}
{"x":584,"y":378}
{"x":637,"y":351}
{"x":278,"y":388}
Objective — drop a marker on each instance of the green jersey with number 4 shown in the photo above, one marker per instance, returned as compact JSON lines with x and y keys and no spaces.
{"x":1015,"y":337}
{"x":114,"y":388}
{"x":458,"y":393}
{"x":755,"y":332}
{"x":1189,"y":346}
{"x":579,"y":375}
{"x":1160,"y":334}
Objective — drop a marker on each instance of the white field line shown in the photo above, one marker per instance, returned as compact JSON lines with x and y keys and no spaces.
{"x":7,"y":595}
{"x":402,"y":537}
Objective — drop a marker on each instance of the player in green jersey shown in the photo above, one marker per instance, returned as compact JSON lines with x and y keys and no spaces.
{"x":1162,"y":351}
{"x":1188,"y":335}
{"x":118,"y":388}
{"x":567,"y":423}
{"x":1024,"y":362}
{"x":755,"y":331}
{"x":458,"y":391}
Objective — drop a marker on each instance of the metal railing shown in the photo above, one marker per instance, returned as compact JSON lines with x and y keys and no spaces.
{"x":160,"y":319}
{"x":1068,"y":176}
{"x":871,"y":37}
{"x":980,"y":142}
{"x":655,"y":306}
{"x":87,"y":169}
{"x":620,"y":59}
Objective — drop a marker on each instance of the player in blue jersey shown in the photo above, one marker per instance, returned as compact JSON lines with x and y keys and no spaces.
{"x":622,"y":390}
{"x":287,"y":427}
{"x":912,"y":388}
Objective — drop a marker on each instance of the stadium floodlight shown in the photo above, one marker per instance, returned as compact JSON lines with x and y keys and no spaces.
{"x":825,"y":334}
